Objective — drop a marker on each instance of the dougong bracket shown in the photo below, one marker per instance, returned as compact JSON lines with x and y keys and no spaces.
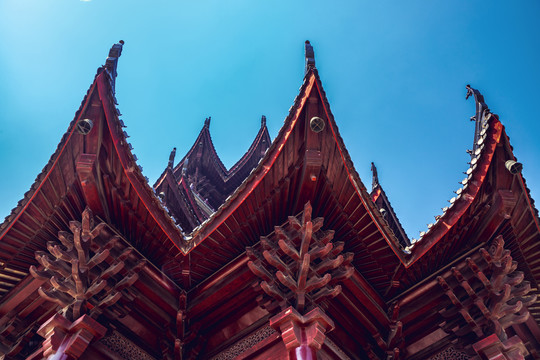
{"x":86,"y":274}
{"x":496,"y":294}
{"x":299,"y":264}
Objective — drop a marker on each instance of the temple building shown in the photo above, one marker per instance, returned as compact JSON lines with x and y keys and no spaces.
{"x":286,"y":255}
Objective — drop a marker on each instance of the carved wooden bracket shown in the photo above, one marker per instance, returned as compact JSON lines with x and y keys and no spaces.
{"x":183,"y":336}
{"x":505,"y":201}
{"x":488,"y":292}
{"x":85,"y":166}
{"x":492,"y":348}
{"x":302,"y":335}
{"x":65,"y":339}
{"x":299,"y":265}
{"x":85,"y":274}
{"x":395,"y":336}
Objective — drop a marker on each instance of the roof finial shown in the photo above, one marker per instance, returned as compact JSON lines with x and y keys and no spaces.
{"x":482,"y":112}
{"x":112,"y":61}
{"x":310,"y":56}
{"x":263,"y":121}
{"x":171,"y":157}
{"x":207,"y":121}
{"x":375,"y":179}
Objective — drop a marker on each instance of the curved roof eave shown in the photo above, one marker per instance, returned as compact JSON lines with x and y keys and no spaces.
{"x":476,"y":174}
{"x":261,"y":135}
{"x":133,"y":173}
{"x":102,"y":84}
{"x":206,"y":138}
{"x":311,"y":81}
{"x":225,"y":174}
{"x":377,"y":192}
{"x":355,"y":180}
{"x":249,"y":184}
{"x":51,"y":164}
{"x":523,"y":184}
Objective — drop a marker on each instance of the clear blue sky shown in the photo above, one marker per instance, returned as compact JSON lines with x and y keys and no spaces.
{"x":394,"y":72}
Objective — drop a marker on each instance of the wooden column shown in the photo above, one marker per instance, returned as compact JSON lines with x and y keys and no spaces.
{"x":65,"y":340}
{"x":492,"y":348}
{"x":303,"y":335}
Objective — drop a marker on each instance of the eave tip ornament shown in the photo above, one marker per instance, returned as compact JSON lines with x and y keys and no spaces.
{"x":310,"y":56}
{"x":171,"y":158}
{"x":375,"y":177}
{"x":481,"y":116}
{"x":112,"y":61}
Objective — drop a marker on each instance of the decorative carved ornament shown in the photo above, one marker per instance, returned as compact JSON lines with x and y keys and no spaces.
{"x":488,"y":293}
{"x":299,"y":264}
{"x":86,"y":273}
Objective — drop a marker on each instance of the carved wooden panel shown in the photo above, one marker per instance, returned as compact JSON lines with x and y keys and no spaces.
{"x":245,"y":344}
{"x":124,"y":348}
{"x":450,"y":353}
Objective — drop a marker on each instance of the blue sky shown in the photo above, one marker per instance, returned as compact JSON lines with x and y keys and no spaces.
{"x":394,"y":73}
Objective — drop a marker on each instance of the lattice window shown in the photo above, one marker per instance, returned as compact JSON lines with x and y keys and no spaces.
{"x":450,"y":353}
{"x":124,"y":348}
{"x":245,"y":344}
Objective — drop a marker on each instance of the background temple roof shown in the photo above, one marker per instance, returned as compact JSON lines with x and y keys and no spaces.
{"x":395,"y":77}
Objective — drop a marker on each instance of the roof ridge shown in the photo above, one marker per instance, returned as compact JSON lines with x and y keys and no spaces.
{"x":378,"y":191}
{"x":110,"y":66}
{"x":205,"y":130}
{"x":263,"y":130}
{"x":486,"y":122}
{"x":202,"y":231}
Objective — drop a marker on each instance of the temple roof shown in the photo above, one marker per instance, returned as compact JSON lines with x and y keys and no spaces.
{"x":304,"y":163}
{"x":489,"y":139}
{"x":493,"y":200}
{"x":191,"y":230}
{"x":203,"y":182}
{"x":212,"y":213}
{"x":92,"y":166}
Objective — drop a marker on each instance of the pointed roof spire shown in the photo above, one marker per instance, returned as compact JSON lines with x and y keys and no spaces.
{"x":375,"y":179}
{"x":171,"y":158}
{"x":263,"y":121}
{"x":310,"y":56}
{"x":112,"y":61}
{"x":482,"y":112}
{"x":207,"y":121}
